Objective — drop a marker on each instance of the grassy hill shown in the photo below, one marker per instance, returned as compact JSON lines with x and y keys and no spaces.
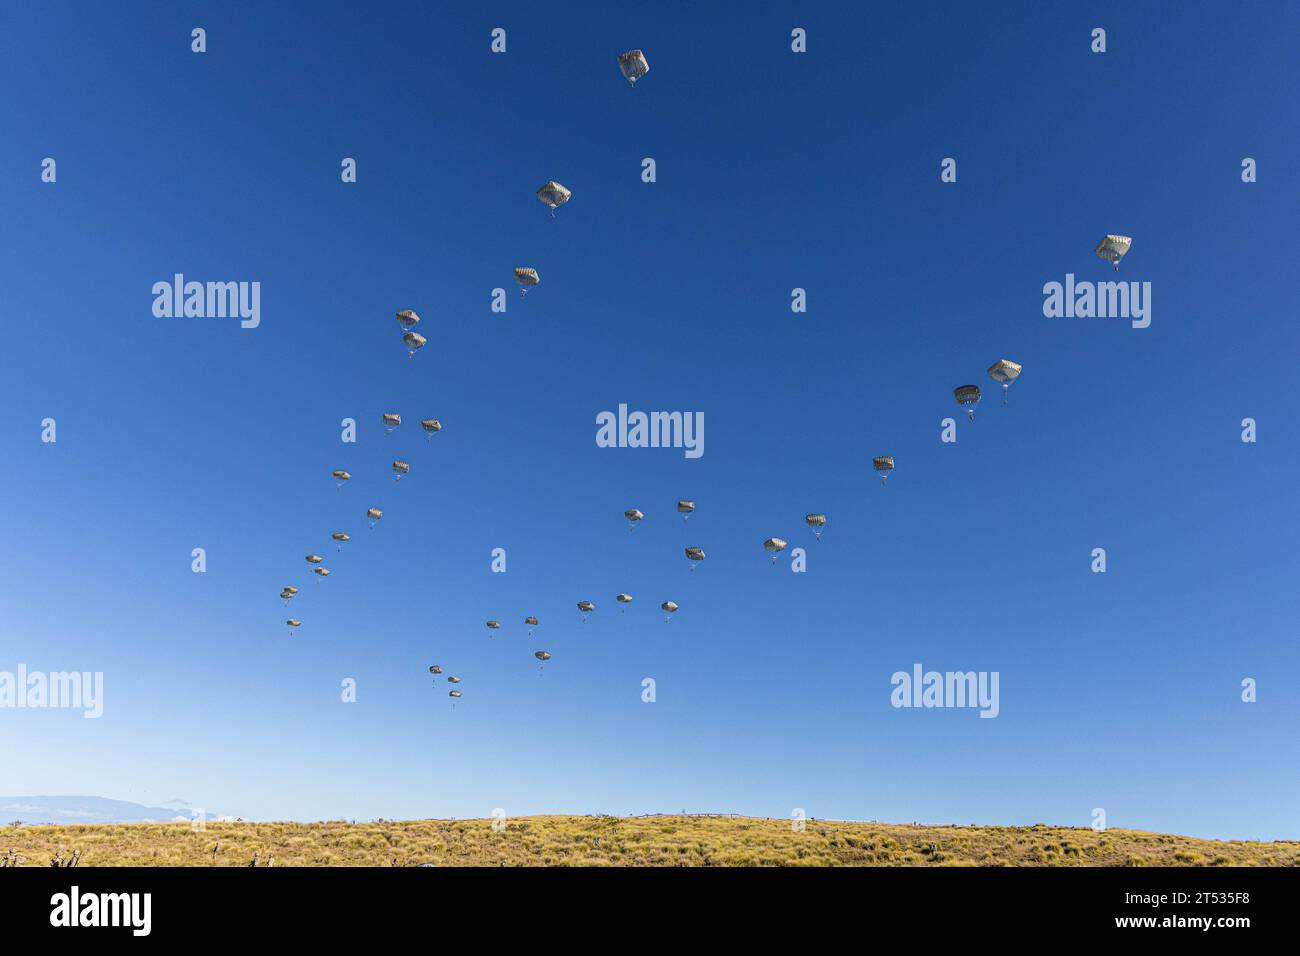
{"x":624,"y":841}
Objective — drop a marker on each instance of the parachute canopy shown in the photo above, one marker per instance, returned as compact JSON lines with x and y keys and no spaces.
{"x":401,"y":467}
{"x":294,"y":622}
{"x":633,"y":65}
{"x":623,"y":598}
{"x":883,"y":463}
{"x":542,"y":655}
{"x":815,"y":521}
{"x":289,"y":589}
{"x":494,"y":625}
{"x":1113,"y":248}
{"x":431,"y":425}
{"x":453,"y":680}
{"x":633,"y":514}
{"x":1004,"y":371}
{"x":408,"y":319}
{"x":669,"y":606}
{"x":530,"y":621}
{"x":685,"y":507}
{"x":553,"y":195}
{"x":374,"y":514}
{"x":315,"y":558}
{"x":454,"y":693}
{"x":775,"y":545}
{"x":967,"y":394}
{"x":435,"y":669}
{"x":392,"y":419}
{"x":323,"y":572}
{"x":341,"y":475}
{"x":341,"y":536}
{"x":695,"y":554}
{"x":586,"y":606}
{"x":526,"y":276}
{"x":414,"y":341}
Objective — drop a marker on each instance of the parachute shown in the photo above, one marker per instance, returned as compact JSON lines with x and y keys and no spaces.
{"x":684,"y":508}
{"x":775,"y":546}
{"x":293,"y":622}
{"x":526,"y":279}
{"x":453,"y":680}
{"x":314,"y":559}
{"x":633,"y":515}
{"x":553,"y":195}
{"x":542,"y":655}
{"x":531,"y":621}
{"x":1004,"y":371}
{"x":883,"y":464}
{"x":670,"y":607}
{"x":374,"y":514}
{"x":431,"y":425}
{"x":391,"y":421}
{"x":435,"y":669}
{"x":586,"y":607}
{"x":1113,"y":248}
{"x":623,"y":599}
{"x":454,"y":693}
{"x":340,"y":537}
{"x":816,"y":522}
{"x":633,"y":65}
{"x":414,"y":342}
{"x":494,"y":625}
{"x":408,"y":319}
{"x":400,"y":468}
{"x":340,"y":476}
{"x":968,"y":396}
{"x":694,"y":555}
{"x":287,"y":595}
{"x":322,"y":572}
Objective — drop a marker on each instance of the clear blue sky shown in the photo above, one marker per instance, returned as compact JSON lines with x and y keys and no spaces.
{"x":775,"y":171}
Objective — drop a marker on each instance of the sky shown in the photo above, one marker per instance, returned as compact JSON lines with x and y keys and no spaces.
{"x":775,"y":171}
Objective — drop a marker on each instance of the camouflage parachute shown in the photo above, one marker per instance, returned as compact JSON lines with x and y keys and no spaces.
{"x":968,"y":396}
{"x":633,"y":66}
{"x":883,"y":464}
{"x":1113,"y":248}
{"x":1004,"y":371}
{"x":526,"y":278}
{"x":408,"y":319}
{"x":414,"y":342}
{"x":554,"y":195}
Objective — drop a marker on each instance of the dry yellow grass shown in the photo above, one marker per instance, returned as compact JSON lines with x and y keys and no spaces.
{"x":626,"y":841}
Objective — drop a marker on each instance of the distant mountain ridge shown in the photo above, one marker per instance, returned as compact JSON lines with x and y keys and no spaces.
{"x":85,"y":809}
